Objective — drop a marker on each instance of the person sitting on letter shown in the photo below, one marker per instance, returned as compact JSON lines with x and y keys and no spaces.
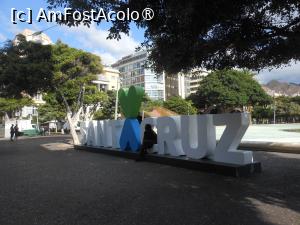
{"x":150,"y":138}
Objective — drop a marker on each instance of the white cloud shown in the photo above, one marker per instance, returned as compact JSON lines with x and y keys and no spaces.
{"x":289,"y":73}
{"x":95,"y":39}
{"x":107,"y":58}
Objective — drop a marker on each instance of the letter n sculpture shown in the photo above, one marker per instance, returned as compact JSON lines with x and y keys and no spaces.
{"x":130,"y":102}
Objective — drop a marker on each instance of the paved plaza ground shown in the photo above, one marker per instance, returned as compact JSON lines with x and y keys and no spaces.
{"x":270,"y":133}
{"x":44,"y":181}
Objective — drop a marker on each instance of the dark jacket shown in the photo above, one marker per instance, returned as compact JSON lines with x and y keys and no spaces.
{"x":150,"y":138}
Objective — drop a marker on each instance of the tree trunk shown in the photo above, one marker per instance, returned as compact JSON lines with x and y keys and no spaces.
{"x":70,"y":120}
{"x":6,"y":117}
{"x":90,"y":111}
{"x":72,"y":129}
{"x":76,"y":116}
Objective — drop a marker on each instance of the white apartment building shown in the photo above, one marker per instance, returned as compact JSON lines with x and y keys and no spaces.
{"x":134,"y":72}
{"x":108,"y":80}
{"x":195,"y":76}
{"x":36,"y":37}
{"x":184,"y":84}
{"x":177,"y":85}
{"x":32,"y":110}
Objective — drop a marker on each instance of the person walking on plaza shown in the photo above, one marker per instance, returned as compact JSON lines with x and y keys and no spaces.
{"x":16,"y":131}
{"x":12,"y":132}
{"x":43,"y":131}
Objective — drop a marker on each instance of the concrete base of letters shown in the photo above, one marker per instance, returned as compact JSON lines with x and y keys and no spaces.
{"x":202,"y":165}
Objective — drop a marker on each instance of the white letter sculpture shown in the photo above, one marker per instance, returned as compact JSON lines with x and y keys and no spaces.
{"x":168,"y":136}
{"x":198,"y":135}
{"x":193,"y":136}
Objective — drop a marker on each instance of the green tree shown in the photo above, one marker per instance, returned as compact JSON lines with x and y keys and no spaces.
{"x":73,"y":73}
{"x":286,"y":109}
{"x":262,"y":113}
{"x":149,"y":105}
{"x":180,"y":106}
{"x":296,"y":99}
{"x":8,"y":106}
{"x":227,"y":89}
{"x":65,"y":71}
{"x":93,"y":101}
{"x":52,"y":109}
{"x":107,"y":109}
{"x":25,"y":67}
{"x":209,"y":34}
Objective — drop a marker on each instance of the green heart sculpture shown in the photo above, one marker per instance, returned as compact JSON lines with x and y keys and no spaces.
{"x":131,"y":100}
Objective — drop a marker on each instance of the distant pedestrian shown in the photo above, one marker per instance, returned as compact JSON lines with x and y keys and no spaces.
{"x":43,"y":131}
{"x":16,"y":130}
{"x":12,"y":132}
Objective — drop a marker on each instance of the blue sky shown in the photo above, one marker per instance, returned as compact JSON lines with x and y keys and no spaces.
{"x":94,"y":40}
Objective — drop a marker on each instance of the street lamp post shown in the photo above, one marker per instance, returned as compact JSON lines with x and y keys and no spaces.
{"x":117,"y":98}
{"x":274,"y":110}
{"x":37,"y":120}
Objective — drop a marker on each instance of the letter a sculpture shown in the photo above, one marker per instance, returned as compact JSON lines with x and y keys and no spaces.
{"x":130,"y":101}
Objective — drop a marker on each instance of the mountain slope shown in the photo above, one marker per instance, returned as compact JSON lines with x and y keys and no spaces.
{"x":282,"y":88}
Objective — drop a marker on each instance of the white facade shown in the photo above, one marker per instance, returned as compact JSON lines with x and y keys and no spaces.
{"x":36,"y":37}
{"x":184,"y":84}
{"x":177,"y":85}
{"x":133,"y":72}
{"x":32,"y":110}
{"x":108,"y":80}
{"x":195,"y":76}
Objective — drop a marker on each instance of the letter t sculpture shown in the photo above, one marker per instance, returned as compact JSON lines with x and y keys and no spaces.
{"x":130,"y":101}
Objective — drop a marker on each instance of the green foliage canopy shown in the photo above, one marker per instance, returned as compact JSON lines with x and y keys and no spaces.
{"x":25,"y":67}
{"x":107,"y":109}
{"x":209,"y":34}
{"x":180,"y":106}
{"x":149,"y":105}
{"x":11,"y":105}
{"x":229,"y":88}
{"x":53,"y":109}
{"x":74,"y":71}
{"x":287,"y":107}
{"x":64,"y":73}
